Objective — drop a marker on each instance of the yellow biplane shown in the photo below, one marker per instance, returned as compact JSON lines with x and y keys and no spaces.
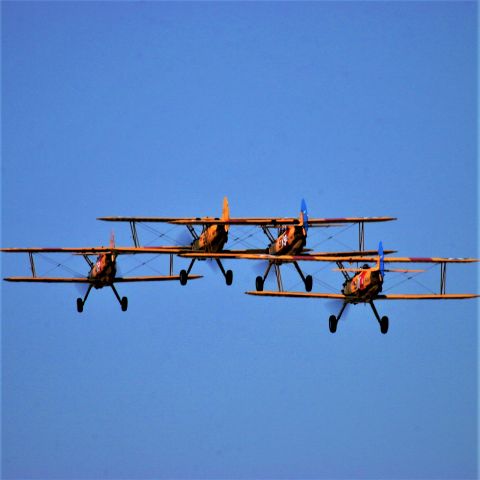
{"x":103,"y":270}
{"x":367,"y":282}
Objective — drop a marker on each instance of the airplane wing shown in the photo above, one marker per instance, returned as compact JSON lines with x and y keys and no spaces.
{"x":98,"y":250}
{"x":339,"y":296}
{"x":260,"y":221}
{"x":261,"y":255}
{"x":369,"y":259}
{"x":157,"y":278}
{"x":138,"y":219}
{"x":278,"y":221}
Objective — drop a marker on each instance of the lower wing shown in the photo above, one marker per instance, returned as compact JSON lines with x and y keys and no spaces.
{"x":339,"y":296}
{"x":157,"y":278}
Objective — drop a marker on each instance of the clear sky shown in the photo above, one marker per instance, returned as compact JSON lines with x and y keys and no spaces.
{"x":142,"y":108}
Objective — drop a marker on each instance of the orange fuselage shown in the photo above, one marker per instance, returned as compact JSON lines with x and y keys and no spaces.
{"x":365,"y":285}
{"x":103,"y":270}
{"x":212,"y":239}
{"x":291,"y":241}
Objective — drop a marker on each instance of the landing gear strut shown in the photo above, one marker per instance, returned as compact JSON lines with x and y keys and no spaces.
{"x":80,"y":302}
{"x":333,"y":320}
{"x":228,"y":274}
{"x":383,"y":322}
{"x":260,"y":281}
{"x":123,"y":301}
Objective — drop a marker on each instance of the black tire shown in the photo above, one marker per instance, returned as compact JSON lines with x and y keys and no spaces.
{"x":308,"y":283}
{"x":384,"y":325}
{"x":332,"y":323}
{"x":79,"y":305}
{"x":259,"y":284}
{"x":124,"y":304}
{"x":228,"y":277}
{"x":183,"y":277}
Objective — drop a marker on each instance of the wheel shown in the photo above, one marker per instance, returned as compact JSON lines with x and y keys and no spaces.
{"x":332,"y":323}
{"x":384,"y":325}
{"x":124,"y":304}
{"x":259,"y":284}
{"x":308,"y":283}
{"x":79,"y":305}
{"x":229,"y":277}
{"x":183,"y":277}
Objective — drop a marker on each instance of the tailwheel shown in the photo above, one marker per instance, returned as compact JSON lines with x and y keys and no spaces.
{"x":183,"y":277}
{"x":384,"y":325}
{"x":228,"y":277}
{"x":124,"y":304}
{"x":308,"y":283}
{"x":332,"y":323}
{"x":259,"y":284}
{"x":79,"y":305}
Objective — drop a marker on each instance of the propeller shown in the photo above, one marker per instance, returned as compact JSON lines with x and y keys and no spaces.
{"x":183,"y":238}
{"x":334,"y":305}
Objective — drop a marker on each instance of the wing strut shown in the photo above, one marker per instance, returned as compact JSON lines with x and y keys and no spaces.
{"x":268,"y":233}
{"x":192,"y":232}
{"x":133,"y":228}
{"x":32,"y":264}
{"x":443,"y":278}
{"x":279,"y":277}
{"x":361,"y":236}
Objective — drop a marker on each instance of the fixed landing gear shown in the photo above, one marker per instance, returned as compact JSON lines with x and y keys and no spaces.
{"x":123,"y":301}
{"x":124,"y":304}
{"x":80,"y":303}
{"x":308,"y":283}
{"x":333,"y":320}
{"x":228,"y":274}
{"x":384,"y":325}
{"x":260,"y":281}
{"x":332,"y":323}
{"x":383,"y":322}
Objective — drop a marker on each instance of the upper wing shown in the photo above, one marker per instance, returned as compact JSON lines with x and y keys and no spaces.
{"x":339,"y":296}
{"x":277,"y":221}
{"x":137,"y":219}
{"x":98,"y":250}
{"x":260,"y":221}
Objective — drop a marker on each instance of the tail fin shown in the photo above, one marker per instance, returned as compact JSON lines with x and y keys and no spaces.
{"x":381,"y":258}
{"x":303,"y":215}
{"x":225,"y":212}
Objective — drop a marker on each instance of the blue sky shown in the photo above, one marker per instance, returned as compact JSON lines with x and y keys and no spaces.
{"x":145,"y":108}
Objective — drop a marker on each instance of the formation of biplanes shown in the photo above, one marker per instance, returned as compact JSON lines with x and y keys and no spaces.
{"x":363,"y":270}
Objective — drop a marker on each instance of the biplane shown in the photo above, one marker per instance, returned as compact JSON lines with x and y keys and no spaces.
{"x":102,"y":273}
{"x":212,"y":238}
{"x":291,"y":240}
{"x":366,"y":285}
